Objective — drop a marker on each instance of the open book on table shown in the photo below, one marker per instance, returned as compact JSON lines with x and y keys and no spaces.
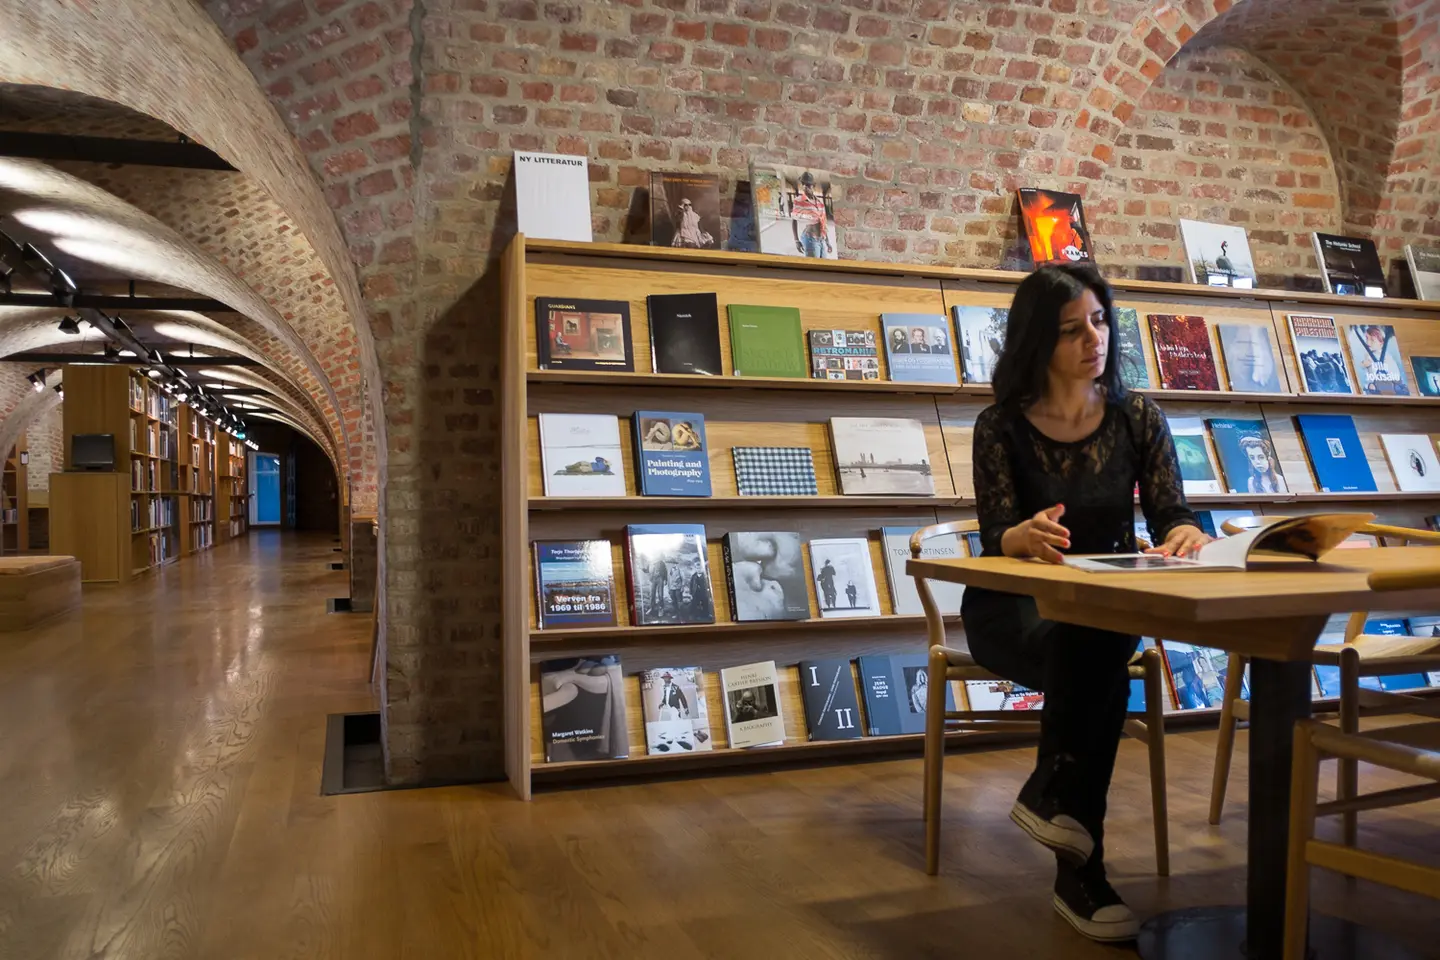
{"x":1295,"y":538}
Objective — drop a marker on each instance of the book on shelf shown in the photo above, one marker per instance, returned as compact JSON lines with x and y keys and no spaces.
{"x":973,"y":545}
{"x":844,"y":355}
{"x":832,"y":711}
{"x":1213,"y":521}
{"x":1424,"y":265}
{"x":1217,"y":254}
{"x":1197,"y":674}
{"x":1335,"y":453}
{"x":844,"y":577}
{"x":980,"y":332}
{"x":1000,"y":694}
{"x":741,"y":221}
{"x":882,"y":456}
{"x":1379,"y":368}
{"x":1427,"y":375}
{"x":896,"y":690}
{"x":766,"y":341}
{"x":774,"y":471}
{"x":1349,"y":266}
{"x":677,"y":718}
{"x":583,"y":335}
{"x":580,"y":455}
{"x":1397,"y":682}
{"x":1307,"y":537}
{"x":1318,"y":353}
{"x":552,"y":196}
{"x":1183,"y":353}
{"x":1192,"y":449}
{"x":574,"y":583}
{"x":684,"y":210}
{"x":794,"y":211}
{"x":753,"y":716}
{"x":684,"y":333}
{"x":668,"y":568}
{"x":1251,"y":363}
{"x":917,"y":347}
{"x":1413,"y":461}
{"x":765,"y":574}
{"x":671,"y":457}
{"x":1134,"y":373}
{"x":1052,"y":224}
{"x":582,"y":709}
{"x":1386,"y":627}
{"x":904,"y":595}
{"x":1247,"y":455}
{"x":1137,"y":702}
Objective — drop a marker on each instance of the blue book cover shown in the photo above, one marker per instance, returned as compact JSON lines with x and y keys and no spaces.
{"x":1247,"y":456}
{"x":1329,"y":680}
{"x":1387,"y":627}
{"x":1335,"y":453}
{"x":575,"y":583}
{"x":1137,"y":696}
{"x":896,"y":691}
{"x":918,"y":347}
{"x":1404,"y":681}
{"x":671,"y":455}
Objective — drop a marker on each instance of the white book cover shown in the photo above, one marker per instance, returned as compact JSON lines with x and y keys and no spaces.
{"x":882,"y":457}
{"x":580,"y":455}
{"x":1424,"y":270}
{"x":1217,"y":254}
{"x":903,"y":593}
{"x":1002,"y":695}
{"x":752,"y":705}
{"x":1413,"y":461}
{"x":979,"y":337}
{"x":844,"y":577}
{"x":552,"y":196}
{"x":677,"y":720}
{"x":1197,"y":467}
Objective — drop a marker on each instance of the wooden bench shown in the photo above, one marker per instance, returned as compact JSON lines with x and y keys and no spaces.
{"x":34,"y":589}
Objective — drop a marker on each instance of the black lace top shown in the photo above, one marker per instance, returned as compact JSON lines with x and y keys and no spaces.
{"x":1019,"y":471}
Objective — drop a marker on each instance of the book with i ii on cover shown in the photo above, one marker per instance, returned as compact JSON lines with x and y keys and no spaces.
{"x":552,"y":196}
{"x":1318,"y":353}
{"x":1350,"y":266}
{"x":580,"y":455}
{"x":1427,"y":375}
{"x":897,"y":690}
{"x":917,"y":346}
{"x":685,"y":210}
{"x":1197,"y":470}
{"x":1412,"y":460}
{"x":677,"y":719}
{"x":671,"y":455}
{"x":980,"y":332}
{"x":752,"y":705}
{"x":684,"y":333}
{"x":1002,"y":695}
{"x":832,"y":711}
{"x":582,"y":709}
{"x":1335,"y":453}
{"x":1424,"y":271}
{"x":574,"y":583}
{"x":844,"y":355}
{"x":766,"y":576}
{"x":1053,"y":225}
{"x":844,"y":577}
{"x":583,"y":334}
{"x":668,"y":567}
{"x":904,"y":595}
{"x":882,"y":456}
{"x":1182,"y":352}
{"x":766,"y":341}
{"x":1134,"y":373}
{"x":1217,"y":254}
{"x":1379,"y":368}
{"x":1247,"y":456}
{"x":1251,"y":364}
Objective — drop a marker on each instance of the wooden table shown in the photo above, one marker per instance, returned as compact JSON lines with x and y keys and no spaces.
{"x":1273,"y":613}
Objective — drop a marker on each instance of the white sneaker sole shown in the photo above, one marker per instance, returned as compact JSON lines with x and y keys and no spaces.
{"x":1102,"y":931}
{"x":1064,"y":834}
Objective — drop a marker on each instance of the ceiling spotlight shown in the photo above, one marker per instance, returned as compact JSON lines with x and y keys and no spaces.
{"x":126,"y":353}
{"x":69,"y":326}
{"x":60,"y":390}
{"x":181,"y":396}
{"x":110,"y":352}
{"x":37,"y":380}
{"x":153,"y":374}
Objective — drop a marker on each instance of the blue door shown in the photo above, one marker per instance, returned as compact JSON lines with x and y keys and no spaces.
{"x":267,"y":488}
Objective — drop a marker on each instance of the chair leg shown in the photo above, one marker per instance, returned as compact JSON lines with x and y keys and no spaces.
{"x":1225,"y":742}
{"x":1155,"y":741}
{"x":1347,"y":771}
{"x":934,"y":757}
{"x":1304,"y":785}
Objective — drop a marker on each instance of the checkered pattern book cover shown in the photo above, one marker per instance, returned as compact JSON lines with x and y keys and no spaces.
{"x":775,"y":471}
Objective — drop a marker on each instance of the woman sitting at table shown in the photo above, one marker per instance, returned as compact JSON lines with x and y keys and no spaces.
{"x":1057,"y":461}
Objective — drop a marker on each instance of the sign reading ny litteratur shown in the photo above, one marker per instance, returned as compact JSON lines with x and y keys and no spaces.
{"x":552,"y":196}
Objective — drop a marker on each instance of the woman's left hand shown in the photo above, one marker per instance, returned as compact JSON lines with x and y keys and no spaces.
{"x":1183,"y":541}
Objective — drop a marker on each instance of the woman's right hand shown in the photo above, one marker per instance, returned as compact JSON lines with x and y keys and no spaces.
{"x":1038,"y":537}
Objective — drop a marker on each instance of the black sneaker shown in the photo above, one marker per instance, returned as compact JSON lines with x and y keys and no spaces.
{"x":1084,"y":897}
{"x":1039,"y":812}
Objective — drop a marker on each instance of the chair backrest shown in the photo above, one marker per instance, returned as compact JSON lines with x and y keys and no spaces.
{"x":1391,"y":536}
{"x":918,"y":538}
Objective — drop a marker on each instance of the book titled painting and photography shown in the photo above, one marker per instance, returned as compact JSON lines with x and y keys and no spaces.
{"x":897,"y":691}
{"x":904,"y":595}
{"x":1379,"y":368}
{"x":1335,"y":453}
{"x":832,"y":711}
{"x":1197,"y":470}
{"x":1053,"y":225}
{"x":1424,"y":271}
{"x":794,"y":211}
{"x":677,"y":720}
{"x":844,"y":355}
{"x":882,"y":456}
{"x":774,"y":471}
{"x":752,"y":705}
{"x":574,"y":584}
{"x":1251,"y":364}
{"x":685,"y":210}
{"x":580,"y":455}
{"x":552,"y":196}
{"x":1307,"y":537}
{"x":1217,"y":254}
{"x":1349,"y":266}
{"x":1247,"y":455}
{"x":765,"y":572}
{"x":684,"y":333}
{"x":1412,"y":460}
{"x":917,"y":347}
{"x":583,"y":335}
{"x":1134,"y":373}
{"x":1183,"y":353}
{"x":1317,"y":350}
{"x":669,"y":572}
{"x":980,"y":332}
{"x":844,"y":577}
{"x":672,"y":460}
{"x":766,"y":341}
{"x":582,"y":709}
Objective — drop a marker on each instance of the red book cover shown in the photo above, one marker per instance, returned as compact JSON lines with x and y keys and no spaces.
{"x":1182,"y":350}
{"x":1054,"y":226}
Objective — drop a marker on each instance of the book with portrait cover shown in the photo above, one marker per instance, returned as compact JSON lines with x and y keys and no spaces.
{"x":1002,"y":695}
{"x":1217,"y":254}
{"x":1427,"y":375}
{"x":881,"y":456}
{"x":980,"y":333}
{"x":1317,"y":351}
{"x":904,"y":595}
{"x":685,"y":210}
{"x":917,"y":347}
{"x":582,"y":709}
{"x":677,"y":720}
{"x":844,"y":577}
{"x":765,"y":573}
{"x":1379,"y":368}
{"x":1412,"y":460}
{"x":552,"y":196}
{"x":670,"y":453}
{"x":1197,"y":674}
{"x":1424,"y":271}
{"x":844,"y":355}
{"x":794,"y":211}
{"x":766,"y":341}
{"x":1247,"y":456}
{"x":574,"y":584}
{"x":1350,"y":266}
{"x":580,"y":455}
{"x":684,"y":333}
{"x":896,"y":690}
{"x":1182,"y":352}
{"x":583,"y":335}
{"x":1335,"y":453}
{"x":1251,"y":364}
{"x":1197,"y":470}
{"x":752,"y":705}
{"x":1134,"y":373}
{"x":1053,"y":225}
{"x":668,"y":567}
{"x":832,"y":711}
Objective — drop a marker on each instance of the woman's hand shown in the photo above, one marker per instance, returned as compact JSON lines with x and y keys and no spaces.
{"x":1038,"y":537}
{"x":1183,"y":541}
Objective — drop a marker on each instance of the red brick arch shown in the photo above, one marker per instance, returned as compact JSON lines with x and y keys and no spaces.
{"x":1410,"y":209}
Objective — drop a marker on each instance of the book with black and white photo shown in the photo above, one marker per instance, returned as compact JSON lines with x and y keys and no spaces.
{"x":1375,"y":353}
{"x":1424,"y":270}
{"x":1251,"y":363}
{"x":765,"y":572}
{"x":753,"y":715}
{"x":904,"y":595}
{"x":980,"y":336}
{"x":552,"y":196}
{"x":668,"y":567}
{"x":832,"y":711}
{"x":917,"y":347}
{"x":1413,"y":461}
{"x":677,"y":719}
{"x":1349,"y":266}
{"x":580,"y":455}
{"x":844,"y":577}
{"x":1317,"y":351}
{"x":574,"y":584}
{"x":684,"y":333}
{"x":1217,"y":254}
{"x":882,"y":456}
{"x":896,"y":690}
{"x":844,"y":355}
{"x":670,"y":453}
{"x":575,"y":334}
{"x":582,"y":709}
{"x":685,"y":210}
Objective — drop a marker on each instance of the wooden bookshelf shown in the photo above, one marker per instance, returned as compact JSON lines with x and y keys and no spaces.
{"x":232,"y":500}
{"x":196,"y":494}
{"x":829,"y":295}
{"x":14,"y":499}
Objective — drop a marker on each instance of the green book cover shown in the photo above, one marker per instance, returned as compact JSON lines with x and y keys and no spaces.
{"x":766,"y":342}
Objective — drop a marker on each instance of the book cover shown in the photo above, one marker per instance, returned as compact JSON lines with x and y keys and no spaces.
{"x":752,"y":705}
{"x":582,"y":709}
{"x":671,"y":456}
{"x":1350,"y":266}
{"x":774,"y":471}
{"x":669,"y":573}
{"x":904,"y":595}
{"x":765,"y":573}
{"x":844,"y":577}
{"x":1197,"y":470}
{"x":583,"y":335}
{"x":1379,"y":368}
{"x":794,"y":211}
{"x":832,"y":711}
{"x":1335,"y":453}
{"x":896,"y":691}
{"x":685,"y":210}
{"x":552,"y":196}
{"x":684,"y":333}
{"x":881,"y":456}
{"x":1247,"y":456}
{"x":980,"y":331}
{"x":1424,"y":271}
{"x":1136,"y":703}
{"x":1327,"y":678}
{"x":917,"y":347}
{"x":1386,"y":627}
{"x":1404,"y":681}
{"x":677,"y":720}
{"x":973,"y":545}
{"x":1217,"y":254}
{"x":844,"y":355}
{"x":574,"y":583}
{"x":1213,"y":521}
{"x":1002,"y":695}
{"x":1134,"y":373}
{"x":1053,"y":225}
{"x":1424,"y":626}
{"x":1182,"y":352}
{"x":1251,"y":363}
{"x":1197,"y":674}
{"x":1427,"y":375}
{"x":766,"y":341}
{"x":741,"y":221}
{"x":1413,"y":461}
{"x":580,"y":454}
{"x":1317,"y":350}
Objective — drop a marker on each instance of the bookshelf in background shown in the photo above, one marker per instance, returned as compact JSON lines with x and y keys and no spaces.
{"x":14,"y":500}
{"x":196,"y":491}
{"x":232,"y":501}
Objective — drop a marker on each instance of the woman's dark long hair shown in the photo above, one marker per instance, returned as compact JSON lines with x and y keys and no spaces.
{"x":1034,"y":329}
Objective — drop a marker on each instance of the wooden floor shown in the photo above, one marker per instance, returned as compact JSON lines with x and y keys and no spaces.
{"x":159,"y":798}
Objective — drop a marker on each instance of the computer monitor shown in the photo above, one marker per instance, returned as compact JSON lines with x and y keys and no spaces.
{"x":92,"y":451}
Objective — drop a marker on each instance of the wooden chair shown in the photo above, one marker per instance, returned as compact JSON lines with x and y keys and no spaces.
{"x":950,"y":663}
{"x":1361,"y":655}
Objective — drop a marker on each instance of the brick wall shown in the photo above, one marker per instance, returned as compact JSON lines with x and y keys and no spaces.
{"x":46,"y":439}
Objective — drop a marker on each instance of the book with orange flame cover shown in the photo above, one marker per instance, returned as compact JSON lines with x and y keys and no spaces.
{"x":1054,"y":226}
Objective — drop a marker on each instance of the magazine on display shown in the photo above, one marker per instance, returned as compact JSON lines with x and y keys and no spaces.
{"x":752,"y":705}
{"x":1183,"y":353}
{"x":1317,"y":351}
{"x":980,"y":332}
{"x":832,"y":711}
{"x":685,"y":210}
{"x":1134,"y":373}
{"x":1053,"y":225}
{"x":844,"y":577}
{"x":1217,"y":254}
{"x":668,"y":567}
{"x":582,"y":709}
{"x":1335,"y":453}
{"x":765,"y":573}
{"x":882,"y":457}
{"x":1197,"y":469}
{"x":844,"y":355}
{"x":1424,"y":271}
{"x":1247,"y":456}
{"x":552,"y":196}
{"x":1349,"y":266}
{"x":794,"y":211}
{"x":672,"y":459}
{"x":684,"y":333}
{"x":583,"y":335}
{"x":574,"y":583}
{"x":677,"y":720}
{"x":1292,"y":538}
{"x":580,"y":455}
{"x":1379,"y":368}
{"x":904,"y":595}
{"x":917,"y":347}
{"x":1251,"y":363}
{"x":1413,"y":461}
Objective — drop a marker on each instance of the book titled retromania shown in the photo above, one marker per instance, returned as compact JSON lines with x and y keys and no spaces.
{"x":580,"y":455}
{"x":1413,"y":461}
{"x":1134,"y":373}
{"x":582,"y":709}
{"x":1247,"y":456}
{"x":774,"y":471}
{"x":880,"y":456}
{"x":583,"y":335}
{"x":904,"y":596}
{"x":1053,"y":225}
{"x":832,"y":711}
{"x":1318,"y":352}
{"x":1375,"y":353}
{"x":752,"y":705}
{"x":685,"y":210}
{"x":670,"y":453}
{"x":794,"y":211}
{"x":552,"y":196}
{"x":677,"y":720}
{"x":668,"y":567}
{"x":1217,"y":254}
{"x":917,"y":347}
{"x":980,"y":332}
{"x":766,"y":341}
{"x":844,"y":355}
{"x":1335,"y":453}
{"x":1424,"y":271}
{"x":574,"y":584}
{"x":1183,"y":353}
{"x":1197,"y":470}
{"x":1251,"y":364}
{"x":844,"y":577}
{"x":1349,"y":266}
{"x":684,"y":333}
{"x":897,"y":690}
{"x":765,"y":572}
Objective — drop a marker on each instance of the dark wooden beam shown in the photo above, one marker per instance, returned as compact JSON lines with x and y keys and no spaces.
{"x":57,"y":359}
{"x":144,"y":153}
{"x":99,"y":301}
